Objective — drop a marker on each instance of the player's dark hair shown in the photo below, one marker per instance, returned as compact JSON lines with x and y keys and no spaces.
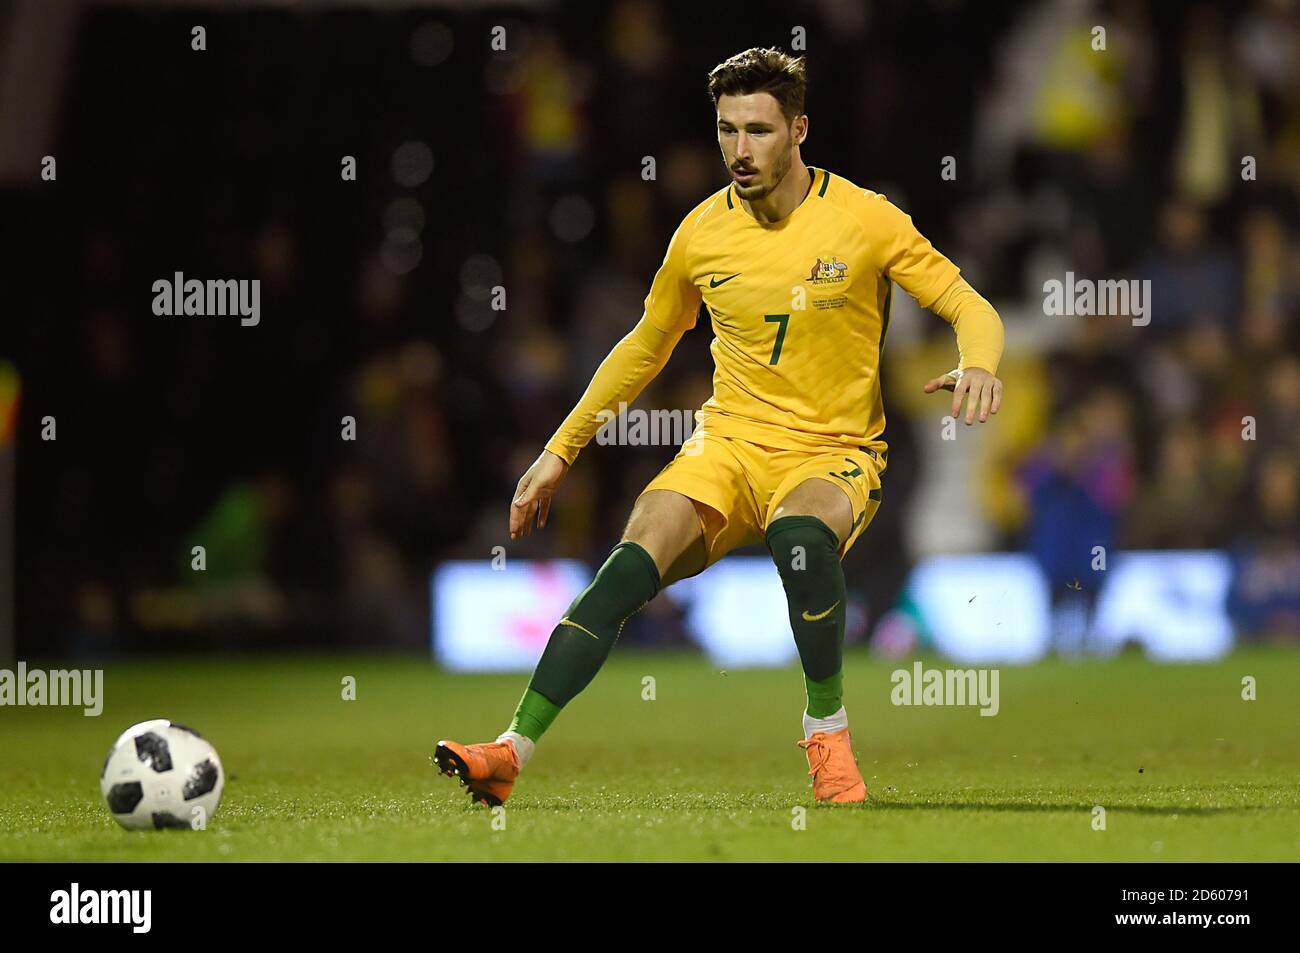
{"x":770,"y":71}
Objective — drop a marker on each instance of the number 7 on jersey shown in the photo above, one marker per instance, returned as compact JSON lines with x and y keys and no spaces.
{"x":783,"y":320}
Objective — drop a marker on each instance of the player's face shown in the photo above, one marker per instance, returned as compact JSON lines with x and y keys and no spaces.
{"x":756,"y":141}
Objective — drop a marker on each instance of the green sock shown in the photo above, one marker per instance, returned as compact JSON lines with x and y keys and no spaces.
{"x":583,"y":638}
{"x":806,"y":554}
{"x":826,"y":697}
{"x":534,"y":714}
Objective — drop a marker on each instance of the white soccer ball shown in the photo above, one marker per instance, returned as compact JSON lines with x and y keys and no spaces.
{"x":160,"y":774}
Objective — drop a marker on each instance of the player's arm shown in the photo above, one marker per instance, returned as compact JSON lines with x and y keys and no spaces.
{"x":908,"y":258}
{"x":670,"y":311}
{"x":633,"y":363}
{"x":979,"y":344}
{"x":623,"y":374}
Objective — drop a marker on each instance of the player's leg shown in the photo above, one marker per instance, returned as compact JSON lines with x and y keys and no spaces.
{"x":666,"y":524}
{"x":804,"y":538}
{"x":807,"y":534}
{"x":664,"y":536}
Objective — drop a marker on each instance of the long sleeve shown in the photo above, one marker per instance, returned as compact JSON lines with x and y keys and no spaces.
{"x":671,"y":309}
{"x":906,"y":256}
{"x":623,"y":374}
{"x":978,"y":327}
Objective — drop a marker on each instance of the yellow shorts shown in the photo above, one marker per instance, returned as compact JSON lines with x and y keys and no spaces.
{"x":742,"y":484}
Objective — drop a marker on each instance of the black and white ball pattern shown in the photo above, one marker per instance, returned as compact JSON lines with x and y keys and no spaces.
{"x":161,"y":774}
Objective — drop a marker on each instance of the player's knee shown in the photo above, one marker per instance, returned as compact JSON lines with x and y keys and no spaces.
{"x":802,"y":548}
{"x":665,"y":525}
{"x":626,"y":581}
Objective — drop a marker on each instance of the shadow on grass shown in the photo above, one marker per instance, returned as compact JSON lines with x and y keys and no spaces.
{"x":695,"y":806}
{"x":1018,"y":807}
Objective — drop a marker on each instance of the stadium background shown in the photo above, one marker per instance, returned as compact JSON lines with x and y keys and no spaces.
{"x":523,"y":169}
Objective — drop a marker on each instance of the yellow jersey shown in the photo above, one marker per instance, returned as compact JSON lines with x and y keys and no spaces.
{"x":799,"y":308}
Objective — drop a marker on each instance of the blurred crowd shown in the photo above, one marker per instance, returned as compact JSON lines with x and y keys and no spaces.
{"x":1174,"y":162}
{"x":1171,"y":155}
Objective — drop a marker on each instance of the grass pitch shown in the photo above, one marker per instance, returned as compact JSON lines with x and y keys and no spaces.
{"x":708,"y":770}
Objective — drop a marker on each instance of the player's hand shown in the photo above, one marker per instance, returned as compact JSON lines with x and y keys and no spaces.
{"x":984,"y":389}
{"x":533,"y":495}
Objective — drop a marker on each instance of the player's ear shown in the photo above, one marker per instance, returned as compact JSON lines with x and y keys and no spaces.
{"x":799,"y":129}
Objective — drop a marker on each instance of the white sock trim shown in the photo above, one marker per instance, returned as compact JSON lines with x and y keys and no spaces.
{"x":523,"y":746}
{"x":836,"y":722}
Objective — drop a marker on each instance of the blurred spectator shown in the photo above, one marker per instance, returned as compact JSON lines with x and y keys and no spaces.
{"x":1265,"y":600}
{"x":1192,"y":278}
{"x":1078,"y":482}
{"x":1177,"y":508}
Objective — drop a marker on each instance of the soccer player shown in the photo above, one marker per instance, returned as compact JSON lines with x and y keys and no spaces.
{"x":796,"y":267}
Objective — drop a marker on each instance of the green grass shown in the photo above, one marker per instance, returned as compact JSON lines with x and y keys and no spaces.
{"x":709,"y":770}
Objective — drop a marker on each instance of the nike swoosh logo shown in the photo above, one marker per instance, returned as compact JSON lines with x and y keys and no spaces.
{"x":808,"y":617}
{"x":585,"y":629}
{"x":713,"y":282}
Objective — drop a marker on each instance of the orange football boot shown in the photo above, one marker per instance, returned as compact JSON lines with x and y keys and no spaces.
{"x":488,"y":770}
{"x":834,"y":770}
